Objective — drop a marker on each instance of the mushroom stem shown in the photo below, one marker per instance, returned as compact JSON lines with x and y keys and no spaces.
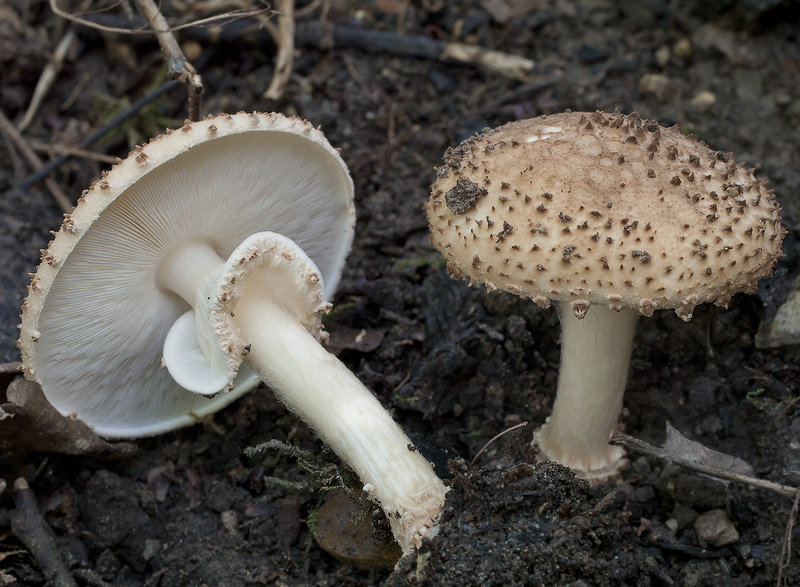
{"x":309,"y":380}
{"x":324,"y":393}
{"x":186,"y":266}
{"x":595,"y":355}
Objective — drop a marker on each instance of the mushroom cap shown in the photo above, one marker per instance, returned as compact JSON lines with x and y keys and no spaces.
{"x":596,"y":208}
{"x":94,"y":320}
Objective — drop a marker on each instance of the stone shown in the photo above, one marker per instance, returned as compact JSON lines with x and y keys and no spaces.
{"x":785,"y":326}
{"x":715,"y":528}
{"x":703,"y":101}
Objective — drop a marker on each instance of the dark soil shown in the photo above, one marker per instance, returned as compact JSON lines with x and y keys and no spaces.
{"x":455,"y":365}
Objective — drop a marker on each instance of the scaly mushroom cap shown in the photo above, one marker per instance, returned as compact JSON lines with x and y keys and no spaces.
{"x":95,"y":319}
{"x":596,"y":208}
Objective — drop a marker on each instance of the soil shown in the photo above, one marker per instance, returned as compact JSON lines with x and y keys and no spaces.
{"x":455,"y":365}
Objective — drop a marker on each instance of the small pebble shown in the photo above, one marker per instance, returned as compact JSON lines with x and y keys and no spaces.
{"x":659,"y":85}
{"x":704,"y":101}
{"x":715,"y":528}
{"x":682,"y":49}
{"x":230,"y":521}
{"x":151,"y":548}
{"x":192,"y":50}
{"x":662,"y":56}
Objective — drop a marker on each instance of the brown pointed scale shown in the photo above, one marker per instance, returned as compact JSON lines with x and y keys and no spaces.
{"x":602,"y":208}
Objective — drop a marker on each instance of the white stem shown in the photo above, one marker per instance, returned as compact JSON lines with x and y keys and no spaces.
{"x":320,"y":390}
{"x":186,"y":266}
{"x":595,"y":356}
{"x":317,"y":387}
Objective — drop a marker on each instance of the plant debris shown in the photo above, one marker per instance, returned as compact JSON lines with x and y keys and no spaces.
{"x":30,"y":423}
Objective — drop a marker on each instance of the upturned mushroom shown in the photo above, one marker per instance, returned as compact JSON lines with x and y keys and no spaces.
{"x":211,"y":251}
{"x":608,"y":216}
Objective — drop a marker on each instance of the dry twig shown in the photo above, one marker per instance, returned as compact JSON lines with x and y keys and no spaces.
{"x":99,"y":133}
{"x":284,"y":38}
{"x":32,"y":530}
{"x":178,"y":67}
{"x":495,"y":437}
{"x":59,"y":149}
{"x":49,"y":74}
{"x":219,"y":19}
{"x":786,"y":548}
{"x":328,"y":36}
{"x":9,"y":130}
{"x":642,"y":447}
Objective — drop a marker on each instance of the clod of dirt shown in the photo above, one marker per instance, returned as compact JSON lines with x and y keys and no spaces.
{"x":346,"y":530}
{"x":114,"y":518}
{"x":515,"y":523}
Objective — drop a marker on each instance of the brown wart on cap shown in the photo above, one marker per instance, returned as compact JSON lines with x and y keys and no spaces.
{"x":637,"y":217}
{"x":221,"y":242}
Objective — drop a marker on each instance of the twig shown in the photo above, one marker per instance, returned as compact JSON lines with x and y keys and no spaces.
{"x":225,"y":18}
{"x":285,"y":42}
{"x":20,"y":169}
{"x":59,"y":149}
{"x":99,"y":133}
{"x":31,"y":529}
{"x":511,"y":66}
{"x":328,"y":36}
{"x":786,"y":408}
{"x":640,"y":446}
{"x":495,"y":437}
{"x":786,"y":548}
{"x":179,"y":68}
{"x":49,"y":74}
{"x":33,"y":160}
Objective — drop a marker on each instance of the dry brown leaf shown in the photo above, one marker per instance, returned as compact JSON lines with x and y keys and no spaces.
{"x":28,"y":422}
{"x":680,"y":446}
{"x":346,"y":338}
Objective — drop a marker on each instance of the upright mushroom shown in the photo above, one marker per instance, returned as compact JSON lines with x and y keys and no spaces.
{"x":212,"y":245}
{"x":609,"y":216}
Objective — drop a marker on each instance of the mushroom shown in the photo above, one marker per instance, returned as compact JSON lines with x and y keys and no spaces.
{"x":609,"y":216}
{"x":211,"y":251}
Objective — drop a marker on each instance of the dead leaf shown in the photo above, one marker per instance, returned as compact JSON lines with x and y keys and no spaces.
{"x":352,"y":339}
{"x":680,"y":446}
{"x":30,"y":423}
